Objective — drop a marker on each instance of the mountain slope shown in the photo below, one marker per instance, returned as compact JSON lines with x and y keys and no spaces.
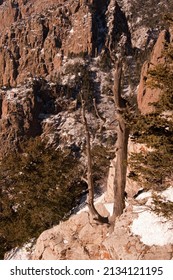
{"x":50,"y":53}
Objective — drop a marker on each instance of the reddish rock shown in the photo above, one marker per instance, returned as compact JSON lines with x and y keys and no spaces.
{"x":146,"y":94}
{"x":35,"y":41}
{"x":20,"y":110}
{"x":36,"y":36}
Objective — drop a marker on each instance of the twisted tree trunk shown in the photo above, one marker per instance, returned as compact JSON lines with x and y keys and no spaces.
{"x":121,"y":145}
{"x":90,"y":199}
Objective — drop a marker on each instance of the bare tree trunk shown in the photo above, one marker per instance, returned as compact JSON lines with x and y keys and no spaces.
{"x":121,"y":166}
{"x":121,"y":145}
{"x":90,"y":199}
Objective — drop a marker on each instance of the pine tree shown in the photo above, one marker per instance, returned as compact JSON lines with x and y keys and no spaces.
{"x":39,"y":187}
{"x":153,"y":167}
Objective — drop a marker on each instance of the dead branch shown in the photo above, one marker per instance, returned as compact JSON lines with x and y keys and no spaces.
{"x":90,"y":199}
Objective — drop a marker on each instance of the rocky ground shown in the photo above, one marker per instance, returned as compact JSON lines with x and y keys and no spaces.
{"x":80,"y":238}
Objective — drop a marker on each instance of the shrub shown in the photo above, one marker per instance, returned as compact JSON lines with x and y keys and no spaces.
{"x":153,"y":168}
{"x":162,"y":207}
{"x":105,"y":62}
{"x":39,"y":187}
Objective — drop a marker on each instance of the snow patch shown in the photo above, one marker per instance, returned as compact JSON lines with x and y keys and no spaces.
{"x":42,"y":51}
{"x":144,"y":195}
{"x":109,"y":207}
{"x":21,"y":253}
{"x":71,"y":31}
{"x":101,"y":199}
{"x":168,"y":194}
{"x":154,"y":230}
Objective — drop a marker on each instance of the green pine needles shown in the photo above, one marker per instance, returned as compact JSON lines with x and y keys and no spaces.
{"x":39,"y":187}
{"x":152,"y":167}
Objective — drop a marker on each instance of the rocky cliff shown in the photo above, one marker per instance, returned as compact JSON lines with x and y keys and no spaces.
{"x":40,"y":40}
{"x":145,"y":25}
{"x":36,"y":37}
{"x":80,"y":238}
{"x":146,"y":94}
{"x":126,"y":240}
{"x":37,"y":40}
{"x":50,"y":52}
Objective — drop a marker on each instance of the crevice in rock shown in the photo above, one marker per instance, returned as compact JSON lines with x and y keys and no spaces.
{"x":1,"y":107}
{"x":118,"y":28}
{"x":99,"y":25}
{"x":45,"y":32}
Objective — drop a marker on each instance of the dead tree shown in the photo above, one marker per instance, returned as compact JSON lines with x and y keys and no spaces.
{"x":90,"y":199}
{"x":121,"y":144}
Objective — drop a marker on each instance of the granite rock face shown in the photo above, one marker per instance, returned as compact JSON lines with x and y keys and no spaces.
{"x":147,"y":94}
{"x":145,"y":25}
{"x":37,"y":36}
{"x":76,"y":239}
{"x":81,"y":238}
{"x":37,"y":39}
{"x":21,"y":113}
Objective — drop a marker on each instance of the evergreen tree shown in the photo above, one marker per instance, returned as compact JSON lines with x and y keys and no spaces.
{"x":153,"y":167}
{"x":39,"y":187}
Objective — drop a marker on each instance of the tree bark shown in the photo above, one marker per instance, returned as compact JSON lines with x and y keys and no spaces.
{"x":121,"y":145}
{"x":90,"y":199}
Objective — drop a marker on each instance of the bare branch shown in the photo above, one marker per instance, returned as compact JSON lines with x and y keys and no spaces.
{"x":120,"y":102}
{"x":96,"y":111}
{"x":84,"y":179}
{"x":90,"y":199}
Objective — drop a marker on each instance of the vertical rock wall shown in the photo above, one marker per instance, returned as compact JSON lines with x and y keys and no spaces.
{"x":146,"y":94}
